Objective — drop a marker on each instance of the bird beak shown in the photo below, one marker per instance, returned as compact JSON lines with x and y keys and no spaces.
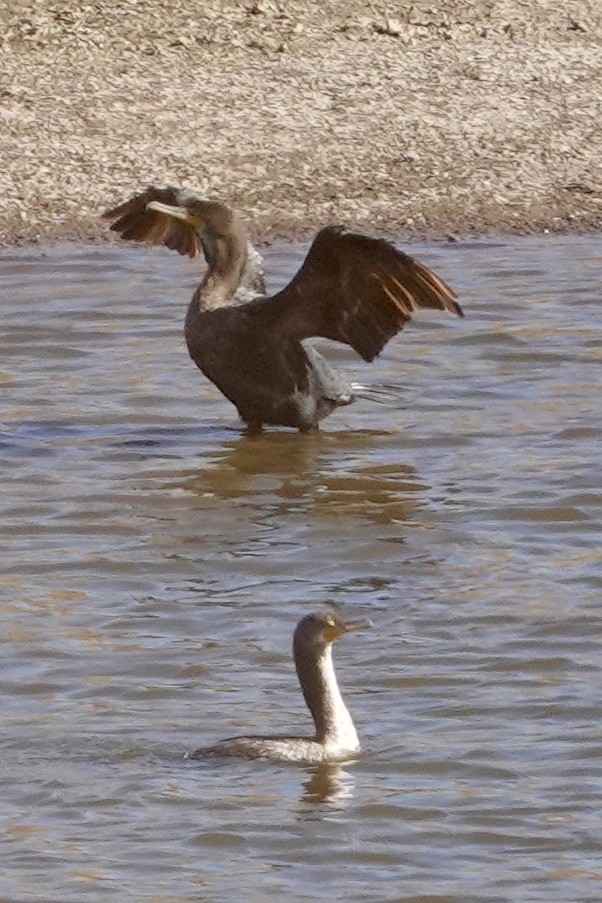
{"x":352,"y":626}
{"x":177,"y":213}
{"x":336,"y":628}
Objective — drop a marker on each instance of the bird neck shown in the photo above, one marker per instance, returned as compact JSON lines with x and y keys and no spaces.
{"x":235,"y":272}
{"x":334,"y":725}
{"x":252,"y":278}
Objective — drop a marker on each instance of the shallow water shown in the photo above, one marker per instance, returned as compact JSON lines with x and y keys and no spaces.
{"x":156,"y":560}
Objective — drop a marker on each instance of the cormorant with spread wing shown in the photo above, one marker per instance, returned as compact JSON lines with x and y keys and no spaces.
{"x":351,"y":288}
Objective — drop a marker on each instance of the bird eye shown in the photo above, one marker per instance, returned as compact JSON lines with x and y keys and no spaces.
{"x":330,"y":622}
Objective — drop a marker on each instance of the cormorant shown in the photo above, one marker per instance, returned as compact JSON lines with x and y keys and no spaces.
{"x":351,"y":288}
{"x":336,"y":738}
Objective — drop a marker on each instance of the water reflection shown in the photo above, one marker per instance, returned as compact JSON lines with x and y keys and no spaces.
{"x":294,"y":472}
{"x":248,"y":464}
{"x":327,"y":784}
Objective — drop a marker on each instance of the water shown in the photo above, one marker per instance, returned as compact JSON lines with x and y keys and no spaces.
{"x":155,"y":562}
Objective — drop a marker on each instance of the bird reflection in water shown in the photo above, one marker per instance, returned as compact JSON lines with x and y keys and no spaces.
{"x":328,"y":783}
{"x":329,"y":475}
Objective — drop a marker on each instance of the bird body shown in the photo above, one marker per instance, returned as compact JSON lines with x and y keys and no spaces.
{"x":351,"y":288}
{"x":336,"y":738}
{"x":271,"y":378}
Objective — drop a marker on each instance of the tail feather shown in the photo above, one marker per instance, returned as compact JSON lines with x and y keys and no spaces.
{"x":381,"y":394}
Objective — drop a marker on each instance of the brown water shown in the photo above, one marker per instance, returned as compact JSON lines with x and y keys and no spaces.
{"x":155,"y":562}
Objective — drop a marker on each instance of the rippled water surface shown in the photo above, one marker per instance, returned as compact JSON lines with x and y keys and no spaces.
{"x":155,"y":561}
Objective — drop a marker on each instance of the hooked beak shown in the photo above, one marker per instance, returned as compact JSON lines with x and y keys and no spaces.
{"x":335,"y":629}
{"x":177,"y":213}
{"x":352,"y":626}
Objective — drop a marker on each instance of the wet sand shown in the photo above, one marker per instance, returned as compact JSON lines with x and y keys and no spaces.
{"x":435,"y":120}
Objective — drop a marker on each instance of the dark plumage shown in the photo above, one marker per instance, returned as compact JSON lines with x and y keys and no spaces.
{"x":351,"y":288}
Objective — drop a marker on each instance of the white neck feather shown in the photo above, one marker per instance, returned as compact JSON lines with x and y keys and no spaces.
{"x":340,"y":731}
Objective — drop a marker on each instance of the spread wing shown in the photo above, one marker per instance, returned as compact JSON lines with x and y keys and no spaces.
{"x":357,"y":290}
{"x":134,"y":222}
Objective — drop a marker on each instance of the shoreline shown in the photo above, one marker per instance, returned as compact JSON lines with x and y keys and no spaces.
{"x":460,"y":119}
{"x":569,"y":220}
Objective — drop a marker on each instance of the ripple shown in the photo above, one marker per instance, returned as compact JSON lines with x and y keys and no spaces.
{"x":155,"y":560}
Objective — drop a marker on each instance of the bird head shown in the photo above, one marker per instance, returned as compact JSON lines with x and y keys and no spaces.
{"x":210,"y":216}
{"x":316,"y":631}
{"x":218,"y":227}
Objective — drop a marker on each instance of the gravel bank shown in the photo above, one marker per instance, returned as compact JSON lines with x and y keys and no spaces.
{"x":426,"y":119}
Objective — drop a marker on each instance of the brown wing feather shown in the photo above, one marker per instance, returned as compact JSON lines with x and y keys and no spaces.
{"x":135,"y":223}
{"x":357,"y":290}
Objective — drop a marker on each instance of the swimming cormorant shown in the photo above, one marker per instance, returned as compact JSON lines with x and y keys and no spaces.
{"x":336,"y":738}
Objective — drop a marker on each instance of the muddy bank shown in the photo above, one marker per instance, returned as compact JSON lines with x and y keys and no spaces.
{"x":426,"y":120}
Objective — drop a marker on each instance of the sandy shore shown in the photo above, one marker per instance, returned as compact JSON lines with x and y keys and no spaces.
{"x":434,"y":119}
